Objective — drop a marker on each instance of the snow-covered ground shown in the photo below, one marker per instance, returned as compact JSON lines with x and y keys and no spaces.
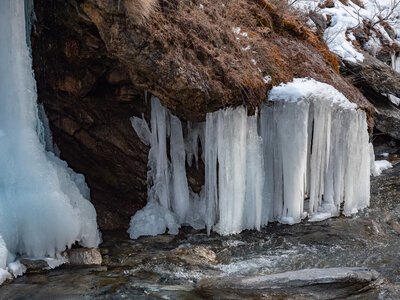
{"x":378,"y":18}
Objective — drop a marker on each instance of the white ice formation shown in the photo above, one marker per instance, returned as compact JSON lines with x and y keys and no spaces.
{"x":305,"y":154}
{"x":395,"y":64}
{"x":378,"y":166}
{"x":43,"y":203}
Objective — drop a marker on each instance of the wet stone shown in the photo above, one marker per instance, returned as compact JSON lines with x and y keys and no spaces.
{"x":329,"y":283}
{"x":34,"y":266}
{"x":84,"y":256}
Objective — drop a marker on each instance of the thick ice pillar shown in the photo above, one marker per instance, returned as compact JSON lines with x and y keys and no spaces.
{"x":43,"y":203}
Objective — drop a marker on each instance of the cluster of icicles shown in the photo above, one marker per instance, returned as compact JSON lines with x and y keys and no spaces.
{"x":306,"y":154}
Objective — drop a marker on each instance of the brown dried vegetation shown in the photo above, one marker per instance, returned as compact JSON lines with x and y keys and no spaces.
{"x":358,"y":2}
{"x":139,"y":10}
{"x":187,"y":54}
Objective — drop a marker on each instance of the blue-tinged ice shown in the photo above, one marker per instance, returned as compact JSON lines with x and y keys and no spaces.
{"x":43,"y":203}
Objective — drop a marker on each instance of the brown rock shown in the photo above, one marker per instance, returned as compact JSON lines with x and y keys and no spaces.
{"x":195,"y":255}
{"x":84,"y":256}
{"x":34,"y":266}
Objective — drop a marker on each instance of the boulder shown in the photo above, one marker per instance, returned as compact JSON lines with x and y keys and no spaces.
{"x":330,"y":283}
{"x":197,"y":255}
{"x":84,"y":256}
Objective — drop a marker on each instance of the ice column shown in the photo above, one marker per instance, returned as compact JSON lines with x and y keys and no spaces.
{"x":168,"y":193}
{"x":43,"y":203}
{"x":336,"y":154}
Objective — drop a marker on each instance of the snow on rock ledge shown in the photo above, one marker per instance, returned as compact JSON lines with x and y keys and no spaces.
{"x":306,"y":154}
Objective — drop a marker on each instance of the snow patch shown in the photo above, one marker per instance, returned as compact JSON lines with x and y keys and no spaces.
{"x":267,"y":79}
{"x":345,"y":18}
{"x":247,"y":48}
{"x":395,"y":100}
{"x":380,"y":166}
{"x":16,"y":268}
{"x":301,"y":88}
{"x":236,"y":30}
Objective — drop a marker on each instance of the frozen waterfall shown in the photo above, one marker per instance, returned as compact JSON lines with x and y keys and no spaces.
{"x":305,"y":154}
{"x":43,"y":203}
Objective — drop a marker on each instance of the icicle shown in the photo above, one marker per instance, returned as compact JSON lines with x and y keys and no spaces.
{"x":142,"y":129}
{"x":395,"y":62}
{"x":194,"y":134}
{"x":180,"y":191}
{"x":158,"y":159}
{"x":168,"y":195}
{"x":210,"y":188}
{"x":43,"y":129}
{"x":231,"y":146}
{"x":291,"y":136}
{"x":311,"y":142}
{"x":254,"y":177}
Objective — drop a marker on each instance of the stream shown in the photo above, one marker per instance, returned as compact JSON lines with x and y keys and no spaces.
{"x":171,"y":267}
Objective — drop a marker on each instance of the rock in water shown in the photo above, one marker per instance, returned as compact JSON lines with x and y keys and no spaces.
{"x":330,"y":283}
{"x":84,"y":256}
{"x":195,"y":256}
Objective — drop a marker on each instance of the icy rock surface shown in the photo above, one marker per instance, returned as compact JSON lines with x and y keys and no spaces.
{"x":305,"y":154}
{"x":43,"y":203}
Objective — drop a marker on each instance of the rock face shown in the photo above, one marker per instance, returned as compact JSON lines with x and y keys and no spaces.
{"x":379,"y":83}
{"x":330,"y":283}
{"x":94,"y":60}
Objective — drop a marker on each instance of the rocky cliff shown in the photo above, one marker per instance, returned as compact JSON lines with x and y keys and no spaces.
{"x":95,"y":59}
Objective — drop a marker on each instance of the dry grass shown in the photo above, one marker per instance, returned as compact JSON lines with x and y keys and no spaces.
{"x":198,"y":54}
{"x":281,"y":44}
{"x":358,"y":2}
{"x":139,"y":10}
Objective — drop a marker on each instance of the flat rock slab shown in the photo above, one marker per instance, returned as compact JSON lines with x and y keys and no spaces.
{"x":330,"y":283}
{"x":84,"y":256}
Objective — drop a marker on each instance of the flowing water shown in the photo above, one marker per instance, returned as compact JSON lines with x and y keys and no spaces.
{"x":169,"y":267}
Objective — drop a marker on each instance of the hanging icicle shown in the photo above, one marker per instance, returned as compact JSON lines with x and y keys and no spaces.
{"x":306,"y":155}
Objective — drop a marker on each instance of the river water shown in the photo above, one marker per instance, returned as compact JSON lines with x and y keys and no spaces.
{"x":170,"y":267}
